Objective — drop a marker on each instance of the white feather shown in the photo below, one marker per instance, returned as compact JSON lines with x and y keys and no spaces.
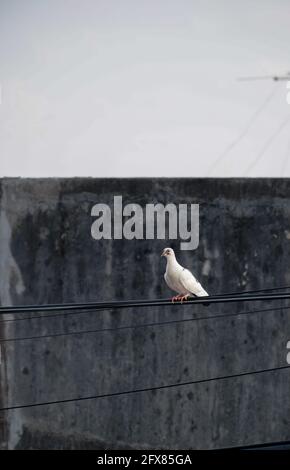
{"x":191,"y":285}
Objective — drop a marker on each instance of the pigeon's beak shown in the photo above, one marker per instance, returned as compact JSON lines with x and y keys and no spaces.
{"x":163,"y":253}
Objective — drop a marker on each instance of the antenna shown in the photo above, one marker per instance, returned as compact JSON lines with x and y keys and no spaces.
{"x":276,"y":78}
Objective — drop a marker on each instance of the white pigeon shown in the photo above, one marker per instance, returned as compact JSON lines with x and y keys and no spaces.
{"x":180,"y":279}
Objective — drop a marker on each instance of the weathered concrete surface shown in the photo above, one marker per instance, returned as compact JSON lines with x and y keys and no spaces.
{"x":47,"y":255}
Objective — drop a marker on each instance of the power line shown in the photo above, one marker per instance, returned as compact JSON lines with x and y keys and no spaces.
{"x":144,"y":303}
{"x":262,"y":446}
{"x":267,"y":145}
{"x":58,"y":315}
{"x":243,"y":133}
{"x":143,"y":390}
{"x":256,"y":291}
{"x":285,"y":160}
{"x":137,"y":326}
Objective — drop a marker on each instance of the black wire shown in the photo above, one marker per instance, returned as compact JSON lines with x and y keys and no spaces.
{"x":142,"y":390}
{"x":242,"y":134}
{"x":66,"y":305}
{"x":267,"y":144}
{"x":90,"y":311}
{"x":261,"y":446}
{"x":142,"y":325}
{"x":53,"y":315}
{"x":142,"y":303}
{"x":255,"y":291}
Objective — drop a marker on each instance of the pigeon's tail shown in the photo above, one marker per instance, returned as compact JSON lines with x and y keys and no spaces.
{"x":206,"y":304}
{"x":202,"y":293}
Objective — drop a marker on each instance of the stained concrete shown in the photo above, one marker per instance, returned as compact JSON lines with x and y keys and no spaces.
{"x":47,"y":255}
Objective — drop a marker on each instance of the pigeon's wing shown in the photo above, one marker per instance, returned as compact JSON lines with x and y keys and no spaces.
{"x":170,"y":283}
{"x":189,"y":283}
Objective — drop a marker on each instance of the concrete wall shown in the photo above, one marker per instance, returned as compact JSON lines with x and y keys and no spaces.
{"x":47,"y":255}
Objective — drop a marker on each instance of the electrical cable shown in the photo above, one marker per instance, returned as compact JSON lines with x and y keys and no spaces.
{"x":267,"y":145}
{"x":243,"y":133}
{"x":285,"y":160}
{"x":137,"y":326}
{"x":143,"y":390}
{"x":90,"y":311}
{"x":144,"y":303}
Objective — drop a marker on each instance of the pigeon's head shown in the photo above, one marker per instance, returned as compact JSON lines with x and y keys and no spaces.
{"x":168,"y":253}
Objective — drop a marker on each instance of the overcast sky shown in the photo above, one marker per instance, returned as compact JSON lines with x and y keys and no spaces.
{"x":143,"y":88}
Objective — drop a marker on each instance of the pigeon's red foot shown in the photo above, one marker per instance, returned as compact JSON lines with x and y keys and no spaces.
{"x":176,"y":298}
{"x":184,"y":297}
